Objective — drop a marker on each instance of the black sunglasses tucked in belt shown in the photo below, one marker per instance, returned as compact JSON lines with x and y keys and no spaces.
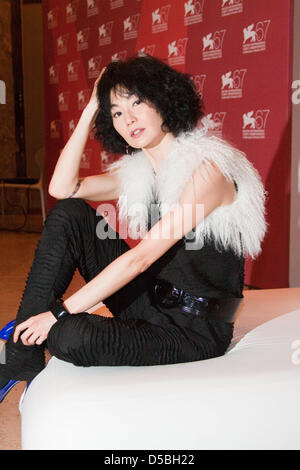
{"x":167,"y":295}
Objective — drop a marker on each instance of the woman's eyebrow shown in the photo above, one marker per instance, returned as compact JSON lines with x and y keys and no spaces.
{"x":126,"y":95}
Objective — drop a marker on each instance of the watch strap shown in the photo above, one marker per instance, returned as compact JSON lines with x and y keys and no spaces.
{"x":58,"y":309}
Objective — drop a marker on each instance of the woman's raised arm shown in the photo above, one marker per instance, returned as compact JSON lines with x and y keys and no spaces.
{"x":65,"y":175}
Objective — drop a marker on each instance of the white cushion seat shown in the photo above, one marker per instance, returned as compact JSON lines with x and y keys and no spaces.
{"x":246,"y":399}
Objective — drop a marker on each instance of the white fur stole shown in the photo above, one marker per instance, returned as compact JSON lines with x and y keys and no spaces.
{"x":240,"y":225}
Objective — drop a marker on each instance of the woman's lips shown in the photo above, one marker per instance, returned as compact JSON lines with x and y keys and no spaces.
{"x":136,"y":133}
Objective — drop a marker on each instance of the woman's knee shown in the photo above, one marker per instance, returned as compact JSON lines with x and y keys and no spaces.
{"x":63,"y":337}
{"x":71,"y":206}
{"x":69,"y":339}
{"x":68,"y":211}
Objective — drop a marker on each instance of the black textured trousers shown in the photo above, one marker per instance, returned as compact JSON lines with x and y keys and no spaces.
{"x":139,"y":333}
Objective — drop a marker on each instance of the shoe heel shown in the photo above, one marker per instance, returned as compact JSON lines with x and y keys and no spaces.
{"x":5,"y":333}
{"x":7,"y":330}
{"x":7,"y":388}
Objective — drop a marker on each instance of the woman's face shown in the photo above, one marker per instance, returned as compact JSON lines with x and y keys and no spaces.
{"x":136,"y":121}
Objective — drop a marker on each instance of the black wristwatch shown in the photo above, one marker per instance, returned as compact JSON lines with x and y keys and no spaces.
{"x":58,"y":309}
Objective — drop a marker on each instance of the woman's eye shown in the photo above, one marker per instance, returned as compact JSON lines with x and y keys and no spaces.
{"x":136,"y":102}
{"x":115,"y":115}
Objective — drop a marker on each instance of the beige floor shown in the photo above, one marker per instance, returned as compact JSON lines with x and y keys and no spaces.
{"x":10,"y":424}
{"x":16,"y":253}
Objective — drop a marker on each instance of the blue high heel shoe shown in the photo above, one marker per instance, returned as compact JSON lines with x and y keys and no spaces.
{"x":4,"y":335}
{"x":7,"y":330}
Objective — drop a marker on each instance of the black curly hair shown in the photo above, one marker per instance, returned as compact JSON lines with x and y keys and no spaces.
{"x":172,"y":93}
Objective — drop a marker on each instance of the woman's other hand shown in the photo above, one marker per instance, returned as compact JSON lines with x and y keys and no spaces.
{"x":36,"y":329}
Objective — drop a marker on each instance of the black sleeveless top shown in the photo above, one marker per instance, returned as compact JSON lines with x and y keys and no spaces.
{"x":205,"y":272}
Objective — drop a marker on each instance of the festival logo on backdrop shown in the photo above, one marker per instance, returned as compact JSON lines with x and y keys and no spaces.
{"x":71,"y":11}
{"x":147,"y":50}
{"x":199,"y":82}
{"x":94,"y":66}
{"x":131,"y":26}
{"x":106,"y":160}
{"x":214,"y":123}
{"x":83,"y":97}
{"x":55,"y":127}
{"x":83,"y":39}
{"x":105,"y":33}
{"x":230,"y":7}
{"x":52,"y":18}
{"x":54,"y":74}
{"x":116,"y":4}
{"x":86,"y":159}
{"x":254,"y":124}
{"x":232,"y":84}
{"x":160,"y":18}
{"x":212,"y":45}
{"x":121,"y":55}
{"x":255,"y":36}
{"x":63,"y":100}
{"x":62,"y":44}
{"x":71,"y":126}
{"x":92,"y":7}
{"x":193,"y":12}
{"x":176,"y":52}
{"x":73,"y":70}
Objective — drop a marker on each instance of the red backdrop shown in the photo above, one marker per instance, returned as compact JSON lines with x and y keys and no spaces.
{"x":239,"y":54}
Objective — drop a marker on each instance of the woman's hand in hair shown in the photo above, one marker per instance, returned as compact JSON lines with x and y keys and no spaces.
{"x":93,"y":97}
{"x":92,"y":107}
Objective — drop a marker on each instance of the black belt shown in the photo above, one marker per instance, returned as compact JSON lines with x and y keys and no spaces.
{"x":167,"y":295}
